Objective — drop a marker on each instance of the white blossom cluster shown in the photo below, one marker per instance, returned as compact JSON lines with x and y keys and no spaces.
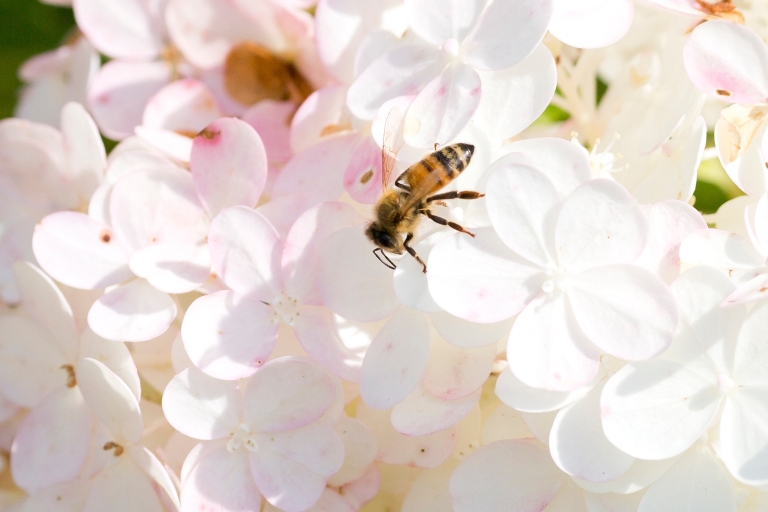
{"x":195,"y":321}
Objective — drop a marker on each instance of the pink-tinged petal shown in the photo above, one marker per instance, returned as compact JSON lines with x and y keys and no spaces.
{"x":161,"y":481}
{"x":320,"y":113}
{"x":454,"y":372}
{"x":461,"y":333}
{"x":30,"y":362}
{"x":185,"y":106}
{"x":728,"y":61}
{"x":318,"y":335}
{"x":80,"y":251}
{"x":422,"y":413}
{"x":506,"y":475}
{"x":301,"y":251}
{"x":123,"y":487}
{"x":291,"y":468}
{"x":521,"y":203}
{"x":428,"y":451}
{"x":396,"y":360}
{"x":221,"y":482}
{"x":272,"y":121}
{"x":513,"y":98}
{"x":228,"y":335}
{"x":115,"y":356}
{"x":86,"y":156}
{"x":579,"y":446}
{"x":351,"y":281}
{"x":364,"y":489}
{"x":750,"y":291}
{"x":696,"y":482}
{"x":175,"y":146}
{"x":127,"y":31}
{"x":401,"y":72}
{"x":547,"y":349}
{"x":720,"y":249}
{"x":743,"y":434}
{"x":132,"y":312}
{"x":437,"y":21}
{"x":362,"y":179}
{"x":410,"y":281}
{"x":625,"y":310}
{"x":286,"y":394}
{"x":743,"y":160}
{"x":173,"y":268}
{"x":119,"y":92}
{"x":52,"y":442}
{"x":202,"y":407}
{"x":47,"y":306}
{"x":444,"y":107}
{"x":506,"y":33}
{"x":479,"y":279}
{"x":342,"y":27}
{"x":670,"y":222}
{"x":359,"y":451}
{"x":156,"y":207}
{"x":657,"y":409}
{"x":599,"y":224}
{"x":591,"y":23}
{"x":110,"y":400}
{"x":527,"y":399}
{"x":206,"y":30}
{"x":245,"y":252}
{"x":229,"y":165}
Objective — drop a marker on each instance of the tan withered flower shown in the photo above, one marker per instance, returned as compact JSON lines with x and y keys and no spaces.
{"x":252,"y":73}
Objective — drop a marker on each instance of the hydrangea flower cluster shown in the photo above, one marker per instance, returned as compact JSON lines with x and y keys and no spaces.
{"x":195,"y":320}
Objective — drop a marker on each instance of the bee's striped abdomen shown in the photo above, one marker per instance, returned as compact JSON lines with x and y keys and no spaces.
{"x":454,"y":158}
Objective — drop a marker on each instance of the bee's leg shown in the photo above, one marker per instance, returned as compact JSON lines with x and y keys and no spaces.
{"x":436,"y":144}
{"x":464,"y":194}
{"x":412,"y":252}
{"x":401,"y":184}
{"x":444,"y":222}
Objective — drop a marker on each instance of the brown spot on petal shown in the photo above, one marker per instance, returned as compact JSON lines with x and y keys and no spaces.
{"x":252,"y":73}
{"x":71,"y":380}
{"x":209,"y":134}
{"x":365,"y":178}
{"x":330,"y":129}
{"x":723,"y":92}
{"x":105,"y":237}
{"x":187,"y":133}
{"x":111,"y":445}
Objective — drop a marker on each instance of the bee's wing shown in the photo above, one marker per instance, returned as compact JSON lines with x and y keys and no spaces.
{"x":391,"y":144}
{"x":425,"y":187}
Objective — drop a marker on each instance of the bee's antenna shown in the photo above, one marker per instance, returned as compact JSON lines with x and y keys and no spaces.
{"x":379,"y":253}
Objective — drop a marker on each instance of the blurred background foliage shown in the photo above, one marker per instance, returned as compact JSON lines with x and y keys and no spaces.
{"x":28,"y":27}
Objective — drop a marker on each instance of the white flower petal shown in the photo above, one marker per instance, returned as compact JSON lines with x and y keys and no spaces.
{"x":697,"y":482}
{"x":454,"y":372}
{"x":444,"y":107}
{"x":52,"y":442}
{"x":124,"y":32}
{"x":135,"y":311}
{"x":657,"y":409}
{"x":599,"y":224}
{"x":172,"y":268}
{"x":286,"y":394}
{"x":744,"y":434}
{"x":395,"y":360}
{"x":122,"y":487}
{"x":719,"y":249}
{"x":511,"y":474}
{"x":547,"y":349}
{"x":200,"y":406}
{"x":527,"y":399}
{"x":228,"y":335}
{"x":359,"y":450}
{"x":464,"y":334}
{"x":221,"y":481}
{"x":438,"y":20}
{"x":422,"y":413}
{"x":591,"y":23}
{"x":110,"y":400}
{"x":86,"y":156}
{"x":479,"y":279}
{"x":640,"y":475}
{"x":514,"y":98}
{"x":506,"y":33}
{"x":579,"y":446}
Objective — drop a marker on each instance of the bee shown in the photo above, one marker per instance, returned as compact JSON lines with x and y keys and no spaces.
{"x":399,"y":210}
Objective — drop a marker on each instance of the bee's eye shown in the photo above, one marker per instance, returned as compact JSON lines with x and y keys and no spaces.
{"x":385,"y":240}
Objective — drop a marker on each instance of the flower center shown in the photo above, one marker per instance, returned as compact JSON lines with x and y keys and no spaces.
{"x":555,"y":280}
{"x":285,"y":308}
{"x":242,"y":437}
{"x":725,"y":383}
{"x":451,"y":47}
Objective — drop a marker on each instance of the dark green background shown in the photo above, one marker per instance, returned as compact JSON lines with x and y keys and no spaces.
{"x":28,"y":27}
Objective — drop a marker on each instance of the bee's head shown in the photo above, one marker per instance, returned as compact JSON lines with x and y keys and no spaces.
{"x":383,"y":239}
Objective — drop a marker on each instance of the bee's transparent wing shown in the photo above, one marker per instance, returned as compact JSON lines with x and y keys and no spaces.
{"x":391,"y":144}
